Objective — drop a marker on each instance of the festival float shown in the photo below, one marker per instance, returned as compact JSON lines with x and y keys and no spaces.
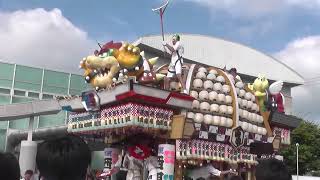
{"x":150,"y":131}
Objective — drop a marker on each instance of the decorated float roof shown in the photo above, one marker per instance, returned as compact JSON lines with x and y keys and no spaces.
{"x":219,"y":53}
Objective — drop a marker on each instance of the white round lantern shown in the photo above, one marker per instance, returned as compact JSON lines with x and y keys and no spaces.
{"x":249,"y":116}
{"x":204,"y":95}
{"x":228,"y":99}
{"x":217,"y":87}
{"x":223,"y":121}
{"x":195,"y":104}
{"x":241,"y":113}
{"x":216,"y":120}
{"x":204,"y":106}
{"x":221,"y":79}
{"x":197,"y":83}
{"x":247,"y":96}
{"x":221,"y":98}
{"x":250,"y":127}
{"x":245,"y":114}
{"x":214,"y":108}
{"x":260,"y":130}
{"x":244,"y":103}
{"x":194,"y":94}
{"x":207,"y":119}
{"x":240,"y":123}
{"x":253,"y":98}
{"x":260,"y":119}
{"x":264,"y":131}
{"x":242,"y":93}
{"x":213,"y":71}
{"x":229,"y":110}
{"x":244,"y":126}
{"x":249,"y":104}
{"x":238,"y":91}
{"x":240,"y":84}
{"x":190,"y":115}
{"x":198,"y":118}
{"x":239,"y":102}
{"x":208,"y":85}
{"x":202,"y":69}
{"x":229,"y":122}
{"x":223,"y":109}
{"x":211,"y":77}
{"x":201,"y":75}
{"x":226,"y":89}
{"x":213,"y":96}
{"x":254,"y":117}
{"x":255,"y":129}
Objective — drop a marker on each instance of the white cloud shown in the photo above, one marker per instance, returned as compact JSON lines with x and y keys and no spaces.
{"x":303,"y":55}
{"x":44,"y":39}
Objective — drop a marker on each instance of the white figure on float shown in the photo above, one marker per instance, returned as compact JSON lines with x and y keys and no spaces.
{"x":151,"y":163}
{"x":134,"y":167}
{"x":175,"y":66}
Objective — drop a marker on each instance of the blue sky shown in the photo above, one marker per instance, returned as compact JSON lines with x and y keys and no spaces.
{"x":127,"y":20}
{"x":56,"y":34}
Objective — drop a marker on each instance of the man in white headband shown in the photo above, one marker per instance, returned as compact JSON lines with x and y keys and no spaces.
{"x":175,"y":66}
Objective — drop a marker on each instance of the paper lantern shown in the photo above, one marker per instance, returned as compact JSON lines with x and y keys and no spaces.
{"x":249,"y":116}
{"x":240,"y":113}
{"x":228,"y":99}
{"x":216,"y":120}
{"x":260,"y":130}
{"x":204,"y":106}
{"x":217,"y":87}
{"x":195,"y":104}
{"x":244,"y":103}
{"x":204,"y":95}
{"x":247,"y":96}
{"x":201,"y":75}
{"x":213,"y":71}
{"x":244,"y":126}
{"x":239,"y":84}
{"x":198,"y":118}
{"x":239,"y":102}
{"x":211,"y":76}
{"x":207,"y":119}
{"x":238,"y":91}
{"x":214,"y":108}
{"x":190,"y":115}
{"x":194,"y":94}
{"x":229,"y":122}
{"x":213,"y":96}
{"x":197,"y":83}
{"x":223,"y":121}
{"x":202,"y":69}
{"x":221,"y":98}
{"x":223,"y":109}
{"x":221,"y":79}
{"x":249,"y":104}
{"x":245,"y":114}
{"x":253,"y":98}
{"x":229,"y":110}
{"x":250,"y":128}
{"x":254,"y":128}
{"x":226,"y":89}
{"x":242,"y":93}
{"x":264,"y":131}
{"x":208,"y":85}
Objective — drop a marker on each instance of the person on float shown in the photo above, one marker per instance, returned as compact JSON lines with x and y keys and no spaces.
{"x":207,"y":171}
{"x":151,"y":163}
{"x":175,"y":67}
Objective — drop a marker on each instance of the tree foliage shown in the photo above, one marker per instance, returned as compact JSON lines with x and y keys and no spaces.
{"x":308,"y":137}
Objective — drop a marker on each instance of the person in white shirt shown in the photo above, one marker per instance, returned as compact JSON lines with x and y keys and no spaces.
{"x":175,"y":66}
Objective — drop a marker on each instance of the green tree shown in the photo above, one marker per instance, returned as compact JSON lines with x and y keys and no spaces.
{"x":308,"y":137}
